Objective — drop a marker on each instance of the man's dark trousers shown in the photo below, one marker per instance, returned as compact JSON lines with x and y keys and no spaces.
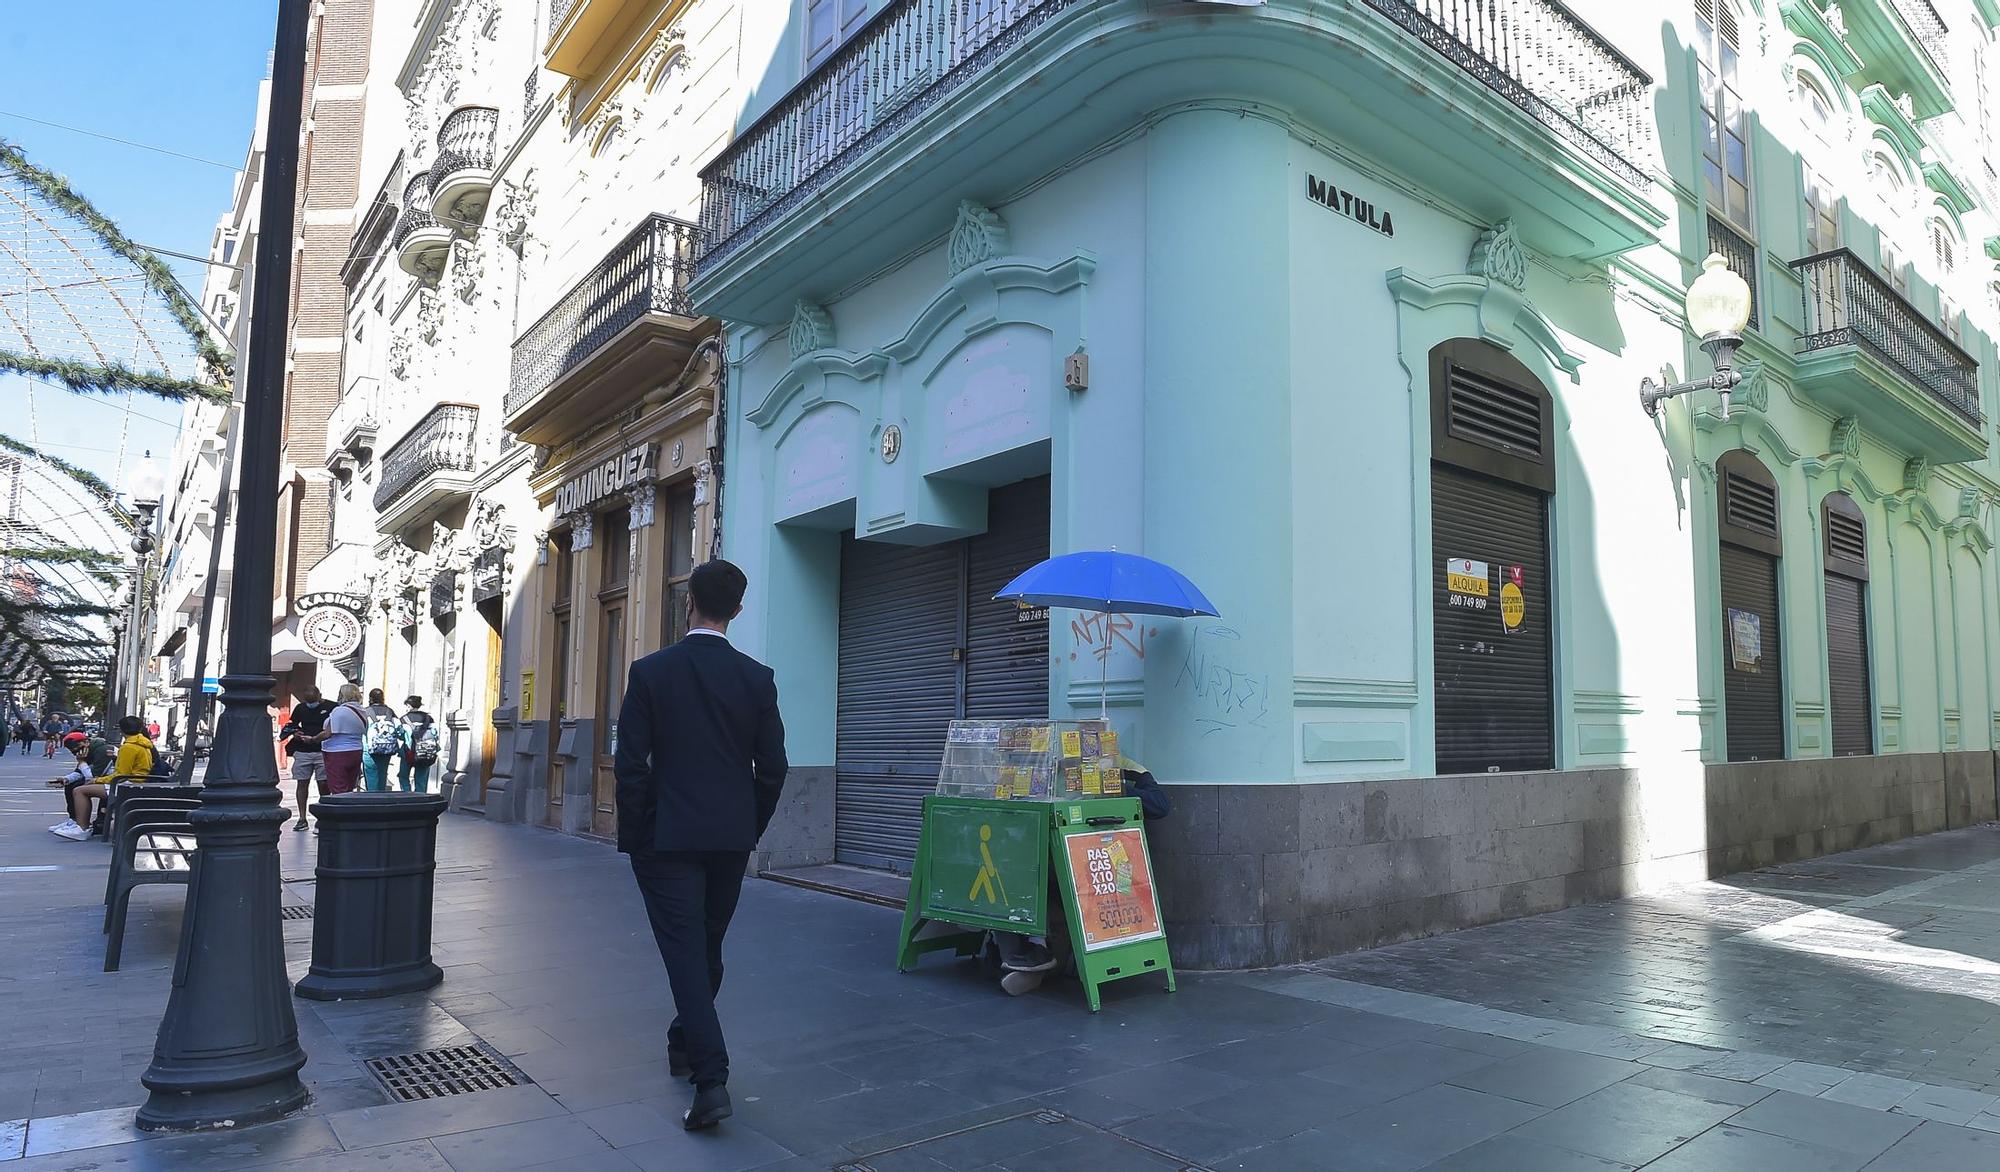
{"x":690,"y":897}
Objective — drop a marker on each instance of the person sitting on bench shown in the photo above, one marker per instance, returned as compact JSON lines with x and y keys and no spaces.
{"x":93,"y":760}
{"x":135,"y":763}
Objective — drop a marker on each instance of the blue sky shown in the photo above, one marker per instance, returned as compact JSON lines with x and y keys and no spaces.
{"x":180,"y":75}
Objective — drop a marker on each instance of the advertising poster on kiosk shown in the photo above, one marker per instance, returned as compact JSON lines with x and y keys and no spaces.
{"x":1114,"y":887}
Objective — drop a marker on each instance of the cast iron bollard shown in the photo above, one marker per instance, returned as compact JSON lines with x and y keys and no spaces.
{"x":372,"y":913}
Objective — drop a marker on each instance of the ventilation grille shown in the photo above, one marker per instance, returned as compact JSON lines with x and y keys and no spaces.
{"x":1845,"y":537}
{"x":434,"y":1074}
{"x":1496,"y":415}
{"x":296,"y":912}
{"x":1749,"y":505}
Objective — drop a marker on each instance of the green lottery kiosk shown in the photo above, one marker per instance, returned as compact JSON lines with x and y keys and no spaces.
{"x":1030,"y":832}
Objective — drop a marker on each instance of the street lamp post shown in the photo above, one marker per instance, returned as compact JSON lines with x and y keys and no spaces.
{"x":1718,"y":307}
{"x":147,"y":486}
{"x":228,"y":1051}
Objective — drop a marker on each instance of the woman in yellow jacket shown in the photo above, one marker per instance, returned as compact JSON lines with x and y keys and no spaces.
{"x":134,"y":763}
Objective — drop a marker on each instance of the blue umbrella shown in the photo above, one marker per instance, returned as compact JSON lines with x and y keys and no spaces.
{"x":1109,"y":582}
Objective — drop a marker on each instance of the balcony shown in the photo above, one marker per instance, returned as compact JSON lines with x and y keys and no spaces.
{"x":621,"y":330}
{"x":1742,"y":258}
{"x":351,"y":429}
{"x":422,"y":244}
{"x":1867,"y":352}
{"x":462,"y":173}
{"x":1902,"y":45}
{"x":1513,"y":108}
{"x":584,"y":34}
{"x":429,"y":467}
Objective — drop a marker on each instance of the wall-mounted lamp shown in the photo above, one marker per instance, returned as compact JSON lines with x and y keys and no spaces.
{"x":1718,"y":307}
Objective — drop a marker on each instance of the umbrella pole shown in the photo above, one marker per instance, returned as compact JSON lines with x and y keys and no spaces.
{"x":1104,"y":673}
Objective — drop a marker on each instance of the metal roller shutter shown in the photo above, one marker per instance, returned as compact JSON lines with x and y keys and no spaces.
{"x":1007,"y":649}
{"x":1849,"y":708}
{"x":904,"y":614}
{"x":1753,"y":692}
{"x":1494,"y":687}
{"x":900,"y":608}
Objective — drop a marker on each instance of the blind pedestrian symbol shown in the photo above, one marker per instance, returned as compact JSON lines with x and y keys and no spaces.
{"x":988,"y":879}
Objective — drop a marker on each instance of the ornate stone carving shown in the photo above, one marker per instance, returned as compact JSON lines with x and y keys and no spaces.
{"x":488,"y":530}
{"x":609,"y":114}
{"x":517,"y":208}
{"x":430,"y":315}
{"x":580,"y":531}
{"x":1498,"y":256}
{"x":1908,"y":107}
{"x":812,"y":328}
{"x":1836,"y":20}
{"x":668,"y":48}
{"x":1754,"y":392}
{"x":1917,"y":474}
{"x":1970,"y":503}
{"x":399,"y":355}
{"x":467,"y":267}
{"x":1846,"y":439}
{"x":703,"y":473}
{"x":642,"y":499}
{"x":979,"y":235}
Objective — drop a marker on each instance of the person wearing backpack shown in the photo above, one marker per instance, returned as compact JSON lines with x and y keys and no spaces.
{"x":420,"y":748}
{"x":381,"y":743}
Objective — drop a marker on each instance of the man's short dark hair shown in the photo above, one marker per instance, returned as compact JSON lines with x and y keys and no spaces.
{"x":413,"y":702}
{"x":717,"y":588}
{"x":131,"y":725}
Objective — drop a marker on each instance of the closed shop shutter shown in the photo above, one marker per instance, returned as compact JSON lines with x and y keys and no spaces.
{"x":1753,"y":691}
{"x":1852,"y":713}
{"x":1007,"y":649}
{"x":1494,"y":686}
{"x":904,"y":612}
{"x":898,"y":678}
{"x":1850,"y":707}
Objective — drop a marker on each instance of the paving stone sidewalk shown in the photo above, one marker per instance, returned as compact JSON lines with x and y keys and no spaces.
{"x":1837,"y":1015}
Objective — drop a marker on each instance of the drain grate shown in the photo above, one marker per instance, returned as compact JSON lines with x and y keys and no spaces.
{"x":447,"y":1070}
{"x":297,"y":911}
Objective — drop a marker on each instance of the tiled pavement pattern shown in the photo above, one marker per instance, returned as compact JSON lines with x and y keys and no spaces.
{"x":1504,"y":1051}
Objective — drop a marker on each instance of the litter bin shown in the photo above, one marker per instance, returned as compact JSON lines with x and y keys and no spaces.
{"x":372,"y":912}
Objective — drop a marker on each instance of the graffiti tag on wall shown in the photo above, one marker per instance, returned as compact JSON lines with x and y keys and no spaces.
{"x":1225,"y":696}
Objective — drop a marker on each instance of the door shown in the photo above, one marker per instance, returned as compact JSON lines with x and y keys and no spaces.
{"x":1749,"y":549}
{"x":614,"y":542}
{"x":562,"y":572}
{"x":922,"y":643}
{"x":1490,"y":598}
{"x":489,"y":737}
{"x":1850,"y":707}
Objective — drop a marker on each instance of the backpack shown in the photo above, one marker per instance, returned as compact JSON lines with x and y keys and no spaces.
{"x":384,"y":736}
{"x":161,"y":767}
{"x":424,"y":745}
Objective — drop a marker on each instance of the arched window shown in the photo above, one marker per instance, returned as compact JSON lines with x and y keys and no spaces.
{"x":1884,"y":171}
{"x":1725,"y":144}
{"x":1944,"y":245}
{"x":1818,"y":107}
{"x":607,"y":136}
{"x":663,"y":69}
{"x":1850,"y":710}
{"x":1749,"y":547}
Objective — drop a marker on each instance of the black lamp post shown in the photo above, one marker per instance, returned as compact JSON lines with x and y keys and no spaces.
{"x":228,"y":1052}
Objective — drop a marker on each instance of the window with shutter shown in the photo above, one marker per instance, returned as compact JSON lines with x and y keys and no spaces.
{"x":1750,"y":546}
{"x":1724,"y":122}
{"x":1850,"y":707}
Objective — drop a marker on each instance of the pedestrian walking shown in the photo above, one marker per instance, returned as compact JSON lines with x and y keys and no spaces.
{"x":305,"y":729}
{"x":700,"y":764}
{"x":383,"y":740}
{"x":340,"y":747}
{"x":25,"y":733}
{"x":420,"y":748}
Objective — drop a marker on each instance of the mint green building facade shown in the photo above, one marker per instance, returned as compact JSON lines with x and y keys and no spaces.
{"x":1313,"y":301}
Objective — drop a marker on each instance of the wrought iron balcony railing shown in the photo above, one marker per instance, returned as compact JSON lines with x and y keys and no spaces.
{"x":442,"y":441}
{"x":914,"y":53}
{"x":646,"y":273}
{"x":1742,"y":258}
{"x":529,"y":89}
{"x":1848,"y":304}
{"x":465,"y":141}
{"x":558,"y":12}
{"x":416,"y":213}
{"x":1929,"y":29}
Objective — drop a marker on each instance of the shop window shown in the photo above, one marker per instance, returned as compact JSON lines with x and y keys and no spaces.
{"x":677,"y":513}
{"x":1750,"y":548}
{"x":1822,"y":214}
{"x":1850,"y":709}
{"x":1724,"y":122}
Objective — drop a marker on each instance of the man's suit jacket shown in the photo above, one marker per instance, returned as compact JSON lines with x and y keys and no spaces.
{"x":701,"y":750}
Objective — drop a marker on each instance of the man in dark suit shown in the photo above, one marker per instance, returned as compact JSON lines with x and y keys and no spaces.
{"x":701,"y":760}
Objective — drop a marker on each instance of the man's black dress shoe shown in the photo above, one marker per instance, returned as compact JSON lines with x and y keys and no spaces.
{"x":711,"y":1106}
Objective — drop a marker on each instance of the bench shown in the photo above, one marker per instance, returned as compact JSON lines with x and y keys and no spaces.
{"x":153,"y":842}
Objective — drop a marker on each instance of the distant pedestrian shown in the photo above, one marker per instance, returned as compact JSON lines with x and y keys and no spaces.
{"x":305,"y":728}
{"x":25,"y":733}
{"x":52,"y":731}
{"x":700,"y":764}
{"x":153,"y":731}
{"x":341,"y":746}
{"x":382,"y":741}
{"x":420,"y":748}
